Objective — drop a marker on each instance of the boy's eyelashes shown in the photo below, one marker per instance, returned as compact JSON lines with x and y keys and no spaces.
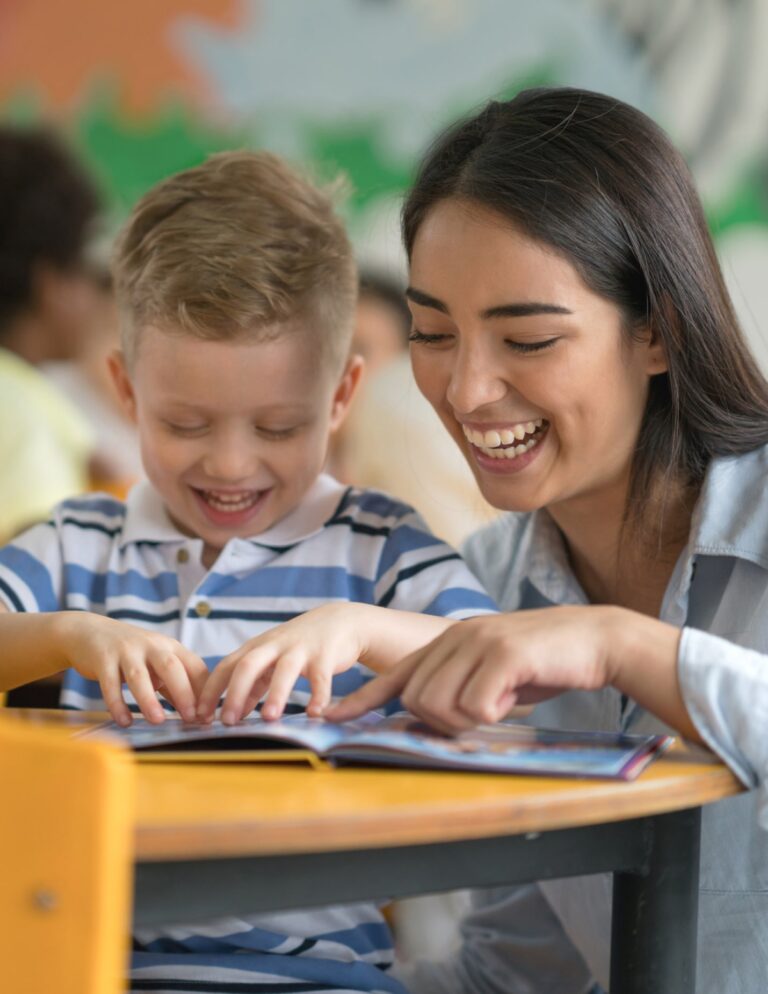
{"x":277,"y":433}
{"x":178,"y":429}
{"x":201,"y":429}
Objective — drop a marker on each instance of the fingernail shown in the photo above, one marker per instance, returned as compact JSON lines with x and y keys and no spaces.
{"x":228,"y":717}
{"x":124,"y":720}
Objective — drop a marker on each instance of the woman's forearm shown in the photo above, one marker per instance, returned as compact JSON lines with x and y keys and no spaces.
{"x":642,"y":663}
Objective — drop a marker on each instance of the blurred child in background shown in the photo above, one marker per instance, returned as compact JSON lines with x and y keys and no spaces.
{"x":392,"y":439}
{"x":85,"y":379}
{"x":48,"y":304}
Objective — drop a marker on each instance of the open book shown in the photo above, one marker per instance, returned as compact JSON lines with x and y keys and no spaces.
{"x":399,"y":740}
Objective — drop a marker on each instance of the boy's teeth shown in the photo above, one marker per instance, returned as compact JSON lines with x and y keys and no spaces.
{"x":231,"y":502}
{"x":499,"y":444}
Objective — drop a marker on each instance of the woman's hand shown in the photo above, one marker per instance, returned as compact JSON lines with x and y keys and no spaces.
{"x":479,"y":669}
{"x":114,"y":653}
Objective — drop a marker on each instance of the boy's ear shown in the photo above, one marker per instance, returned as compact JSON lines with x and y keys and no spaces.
{"x":122,"y":383}
{"x":345,"y":390}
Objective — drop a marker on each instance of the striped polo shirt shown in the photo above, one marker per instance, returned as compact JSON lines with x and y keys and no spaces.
{"x":129,"y":561}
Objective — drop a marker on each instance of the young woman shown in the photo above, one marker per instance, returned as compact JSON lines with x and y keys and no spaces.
{"x":573,"y":332}
{"x":572,"y":329}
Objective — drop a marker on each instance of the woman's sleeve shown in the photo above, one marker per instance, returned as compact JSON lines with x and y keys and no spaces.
{"x":725,"y":688}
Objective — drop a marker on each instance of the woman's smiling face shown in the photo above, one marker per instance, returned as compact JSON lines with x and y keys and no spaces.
{"x":530,"y":371}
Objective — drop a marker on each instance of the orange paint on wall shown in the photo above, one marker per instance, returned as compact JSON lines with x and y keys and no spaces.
{"x":58,"y":49}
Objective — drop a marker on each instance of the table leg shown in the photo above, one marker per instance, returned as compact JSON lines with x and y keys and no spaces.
{"x":655,"y":912}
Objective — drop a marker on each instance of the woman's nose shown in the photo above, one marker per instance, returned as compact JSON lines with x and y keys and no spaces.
{"x":475,"y":382}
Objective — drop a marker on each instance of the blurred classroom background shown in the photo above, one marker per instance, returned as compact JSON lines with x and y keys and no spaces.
{"x":358,"y":88}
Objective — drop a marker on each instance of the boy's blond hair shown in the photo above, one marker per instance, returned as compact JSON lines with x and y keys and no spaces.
{"x":239,"y":247}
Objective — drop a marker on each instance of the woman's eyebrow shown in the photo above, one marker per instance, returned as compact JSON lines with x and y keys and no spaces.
{"x":424,"y":299}
{"x":521,"y":310}
{"x":524,"y":310}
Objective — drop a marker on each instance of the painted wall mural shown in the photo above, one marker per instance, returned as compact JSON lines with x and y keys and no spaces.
{"x":360,"y":86}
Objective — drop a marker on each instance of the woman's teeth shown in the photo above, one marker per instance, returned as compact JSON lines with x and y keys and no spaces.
{"x":507,"y":443}
{"x":230,"y":502}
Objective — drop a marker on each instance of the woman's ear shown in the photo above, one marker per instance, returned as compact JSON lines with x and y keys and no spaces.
{"x":345,"y":390}
{"x":665,"y":316}
{"x":656,"y":357}
{"x":121,"y":380}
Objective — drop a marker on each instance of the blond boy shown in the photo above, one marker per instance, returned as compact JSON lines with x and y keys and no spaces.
{"x":236,"y":287}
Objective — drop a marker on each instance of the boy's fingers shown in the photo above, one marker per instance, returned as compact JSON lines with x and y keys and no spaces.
{"x":210,"y":695}
{"x":196,"y":669}
{"x":252,"y":668}
{"x":178,"y":688}
{"x":320,"y":683}
{"x":137,"y":678}
{"x":257,"y":692}
{"x":284,"y":677}
{"x":215,"y":684}
{"x":112,"y":692}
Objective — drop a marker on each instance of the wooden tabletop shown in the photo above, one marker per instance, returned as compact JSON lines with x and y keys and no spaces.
{"x":194,"y":811}
{"x":198,"y":810}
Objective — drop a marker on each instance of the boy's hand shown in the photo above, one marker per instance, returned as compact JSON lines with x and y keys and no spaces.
{"x":114,"y":652}
{"x":316,"y":645}
{"x":479,"y":669}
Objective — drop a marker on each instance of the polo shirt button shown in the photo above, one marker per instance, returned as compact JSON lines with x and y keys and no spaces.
{"x":182,"y":556}
{"x":202,"y":609}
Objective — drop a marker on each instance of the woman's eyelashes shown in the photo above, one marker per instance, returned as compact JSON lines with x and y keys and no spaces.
{"x":527,"y":347}
{"x":424,"y":338}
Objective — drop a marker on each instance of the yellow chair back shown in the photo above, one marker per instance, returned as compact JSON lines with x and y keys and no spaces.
{"x":66,"y":850}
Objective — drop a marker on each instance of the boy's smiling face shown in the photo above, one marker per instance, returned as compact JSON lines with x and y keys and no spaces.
{"x":233,"y":433}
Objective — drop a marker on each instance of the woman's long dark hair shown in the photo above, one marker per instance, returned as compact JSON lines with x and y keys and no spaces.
{"x":601,"y":184}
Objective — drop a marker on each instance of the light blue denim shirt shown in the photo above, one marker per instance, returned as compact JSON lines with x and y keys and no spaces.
{"x":719,"y":593}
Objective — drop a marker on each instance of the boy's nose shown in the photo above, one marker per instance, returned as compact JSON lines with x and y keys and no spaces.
{"x":230,"y":460}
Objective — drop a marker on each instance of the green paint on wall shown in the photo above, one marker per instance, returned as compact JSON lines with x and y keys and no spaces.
{"x":359,"y":153}
{"x":130,"y":156}
{"x":747,"y":203}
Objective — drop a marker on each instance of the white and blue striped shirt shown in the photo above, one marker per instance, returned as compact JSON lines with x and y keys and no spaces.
{"x":129,"y":561}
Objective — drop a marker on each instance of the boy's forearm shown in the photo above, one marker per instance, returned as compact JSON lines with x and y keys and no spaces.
{"x":32,"y":647}
{"x":390,"y":635}
{"x":643,"y":665}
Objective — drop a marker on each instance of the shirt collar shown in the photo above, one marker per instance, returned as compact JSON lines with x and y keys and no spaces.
{"x":549,"y":570}
{"x":730,"y":519}
{"x":731,"y":515}
{"x":147,"y":520}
